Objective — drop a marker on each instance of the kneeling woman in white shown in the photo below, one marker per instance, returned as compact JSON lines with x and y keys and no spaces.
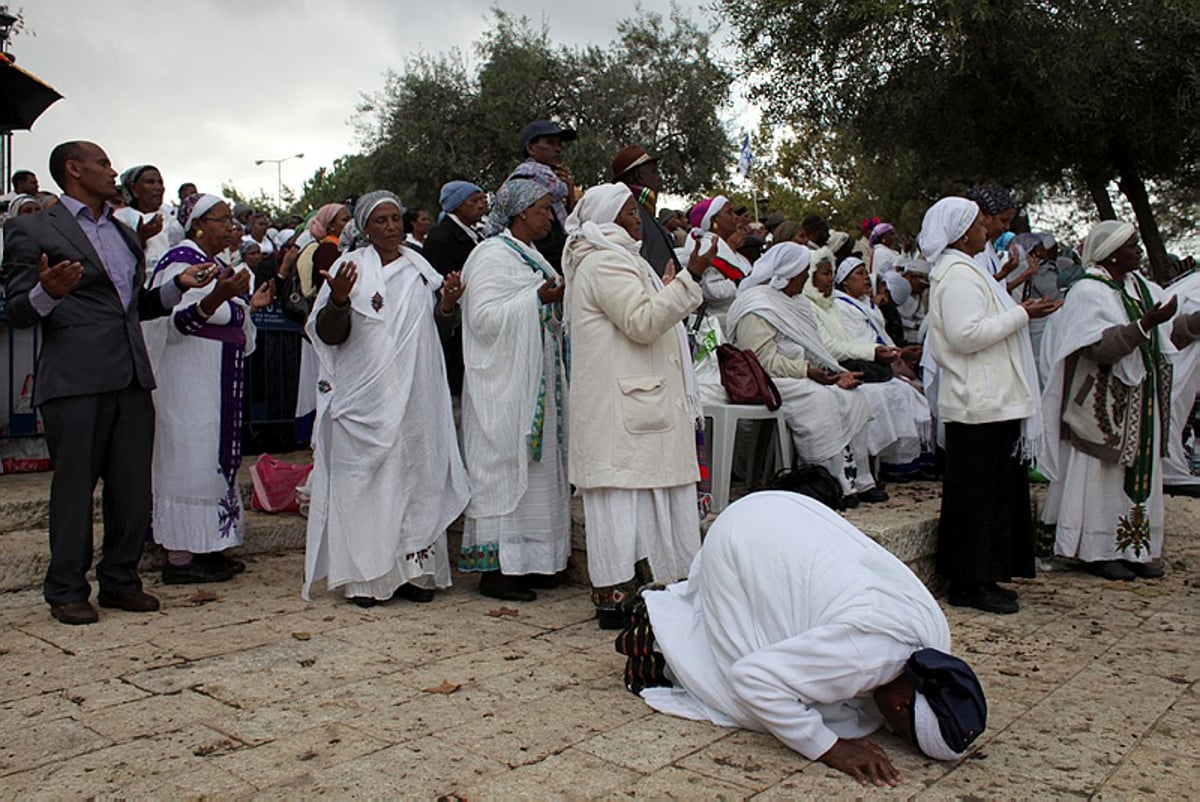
{"x":633,"y":433}
{"x":795,"y":623}
{"x":387,"y":476}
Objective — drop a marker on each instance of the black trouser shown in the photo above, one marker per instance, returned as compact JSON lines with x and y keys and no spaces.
{"x":107,"y":436}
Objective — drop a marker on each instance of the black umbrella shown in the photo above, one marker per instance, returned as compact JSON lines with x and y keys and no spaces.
{"x":23,"y":97}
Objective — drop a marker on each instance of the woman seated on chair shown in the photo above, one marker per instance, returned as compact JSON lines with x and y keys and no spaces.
{"x":828,"y":416}
{"x":900,"y":430}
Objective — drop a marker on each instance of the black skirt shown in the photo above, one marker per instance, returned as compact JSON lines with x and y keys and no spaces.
{"x":986,"y":529}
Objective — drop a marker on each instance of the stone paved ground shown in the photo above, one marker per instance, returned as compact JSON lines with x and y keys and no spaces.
{"x":244,"y":690}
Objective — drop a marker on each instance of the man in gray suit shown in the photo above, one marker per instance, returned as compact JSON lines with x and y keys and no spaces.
{"x":79,"y":273}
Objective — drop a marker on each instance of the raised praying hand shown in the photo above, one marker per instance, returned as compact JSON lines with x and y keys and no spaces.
{"x":452,"y":290}
{"x":1160,"y":312}
{"x":148,"y":229}
{"x":342,"y":282}
{"x":57,"y":281}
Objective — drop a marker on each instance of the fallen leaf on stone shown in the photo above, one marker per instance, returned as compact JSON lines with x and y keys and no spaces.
{"x":302,"y":635}
{"x":503,"y":611}
{"x":202,"y":597}
{"x":446,"y":688}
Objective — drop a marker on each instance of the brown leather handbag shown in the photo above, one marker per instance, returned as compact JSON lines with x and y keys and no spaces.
{"x":744,"y":379}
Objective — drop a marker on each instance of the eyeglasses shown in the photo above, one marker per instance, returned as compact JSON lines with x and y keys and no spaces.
{"x":222,"y":220}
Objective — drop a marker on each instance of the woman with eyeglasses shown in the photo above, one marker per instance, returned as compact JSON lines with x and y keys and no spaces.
{"x":198,"y":353}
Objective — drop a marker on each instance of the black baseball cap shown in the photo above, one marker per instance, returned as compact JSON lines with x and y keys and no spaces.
{"x":544,"y":128}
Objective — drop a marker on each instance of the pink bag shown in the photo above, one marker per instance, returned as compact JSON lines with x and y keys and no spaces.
{"x":275,"y":484}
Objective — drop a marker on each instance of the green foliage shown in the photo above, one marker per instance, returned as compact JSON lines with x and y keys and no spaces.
{"x":437,"y":119}
{"x":263,"y":201}
{"x":927,"y":94}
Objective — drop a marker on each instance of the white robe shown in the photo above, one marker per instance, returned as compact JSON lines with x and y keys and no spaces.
{"x":901,"y":421}
{"x":789,"y":618}
{"x":823,"y":419}
{"x":521,"y":505}
{"x":171,"y":235}
{"x":1186,"y":386}
{"x":1086,"y":498}
{"x":387,"y":476}
{"x":195,"y":508}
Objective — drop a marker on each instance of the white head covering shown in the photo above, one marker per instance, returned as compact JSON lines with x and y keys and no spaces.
{"x":372,"y":201}
{"x":18,"y":201}
{"x":837,"y":240}
{"x":202,"y":205}
{"x":823,"y":254}
{"x":1104,"y":239}
{"x":779,"y":265}
{"x":928,"y":732}
{"x":593,"y":220}
{"x":848,"y":266}
{"x":945,"y":222}
{"x":898,"y":287}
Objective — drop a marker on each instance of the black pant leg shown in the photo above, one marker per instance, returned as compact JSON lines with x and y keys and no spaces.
{"x":127,"y":490}
{"x":76,"y":431}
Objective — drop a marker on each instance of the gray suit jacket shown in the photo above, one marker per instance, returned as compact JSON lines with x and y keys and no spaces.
{"x":90,"y":344}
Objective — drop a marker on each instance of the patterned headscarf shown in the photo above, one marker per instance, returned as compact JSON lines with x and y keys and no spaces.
{"x":318,"y":227}
{"x":370,"y":202}
{"x":513,"y":197}
{"x":991,"y":199}
{"x":193,"y":207}
{"x":130,"y":176}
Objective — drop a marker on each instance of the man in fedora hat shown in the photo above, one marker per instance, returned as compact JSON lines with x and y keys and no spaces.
{"x":638,"y":170}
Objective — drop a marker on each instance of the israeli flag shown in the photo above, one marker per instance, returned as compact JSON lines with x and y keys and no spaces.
{"x":745,"y":157}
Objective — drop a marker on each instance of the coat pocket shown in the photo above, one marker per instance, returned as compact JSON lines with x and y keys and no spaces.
{"x":644,"y":406}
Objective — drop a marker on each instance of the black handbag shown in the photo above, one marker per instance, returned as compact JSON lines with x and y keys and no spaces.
{"x":872,"y":372}
{"x":813,"y":481}
{"x":292,"y":302}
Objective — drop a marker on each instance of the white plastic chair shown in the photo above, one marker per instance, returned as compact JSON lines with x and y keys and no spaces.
{"x":721,"y":436}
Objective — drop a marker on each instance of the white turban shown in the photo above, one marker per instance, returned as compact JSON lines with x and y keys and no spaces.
{"x":927,"y":731}
{"x":778,"y":266}
{"x":201,"y":206}
{"x":823,"y":254}
{"x":593,"y":220}
{"x":1104,"y":239}
{"x":945,"y":222}
{"x":898,"y":287}
{"x":848,"y":266}
{"x":837,"y":240}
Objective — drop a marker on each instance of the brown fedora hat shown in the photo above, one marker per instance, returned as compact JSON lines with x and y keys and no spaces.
{"x":629,"y":158}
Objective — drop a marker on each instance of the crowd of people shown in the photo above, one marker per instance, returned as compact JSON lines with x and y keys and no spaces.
{"x":567,"y":322}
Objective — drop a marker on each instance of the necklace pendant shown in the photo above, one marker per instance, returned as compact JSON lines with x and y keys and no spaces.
{"x":377,"y":302}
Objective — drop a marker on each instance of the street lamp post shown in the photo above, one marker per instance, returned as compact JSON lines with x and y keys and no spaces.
{"x":278,"y":174}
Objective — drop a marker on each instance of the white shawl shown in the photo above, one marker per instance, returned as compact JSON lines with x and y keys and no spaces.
{"x":502,"y":352}
{"x":793,"y":317}
{"x":1090,"y":308}
{"x":382,"y":396}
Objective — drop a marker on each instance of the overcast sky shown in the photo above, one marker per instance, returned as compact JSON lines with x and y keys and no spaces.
{"x":203,"y":89}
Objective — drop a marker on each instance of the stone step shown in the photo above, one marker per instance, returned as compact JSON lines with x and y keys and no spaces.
{"x":906,"y":526}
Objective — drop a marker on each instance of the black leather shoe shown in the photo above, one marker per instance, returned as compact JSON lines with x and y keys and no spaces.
{"x":363,"y":601}
{"x":137,"y":601}
{"x":1182,"y":490}
{"x":612,"y":619}
{"x":983,"y":598}
{"x":873,"y":496}
{"x":76,"y":612}
{"x":1144,"y":570}
{"x":219,"y":559}
{"x":1112,"y":570}
{"x":540,"y":581}
{"x":413,"y":593}
{"x":506,"y":588}
{"x":194,"y":572}
{"x":1004,"y":593}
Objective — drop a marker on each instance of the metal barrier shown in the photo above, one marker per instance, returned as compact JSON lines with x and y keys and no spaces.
{"x":22,"y":351}
{"x":272,"y":375}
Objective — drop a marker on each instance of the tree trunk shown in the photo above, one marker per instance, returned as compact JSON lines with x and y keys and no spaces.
{"x":1134,"y":188}
{"x":1097,"y":185}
